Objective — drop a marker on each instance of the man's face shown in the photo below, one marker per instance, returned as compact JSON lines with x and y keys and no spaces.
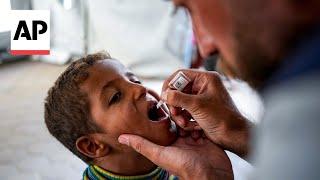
{"x":119,"y":104}
{"x":247,"y":43}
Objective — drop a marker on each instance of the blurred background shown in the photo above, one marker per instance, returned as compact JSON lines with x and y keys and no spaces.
{"x":151,"y":37}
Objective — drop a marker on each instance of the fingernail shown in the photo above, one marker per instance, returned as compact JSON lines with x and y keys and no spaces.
{"x":164,"y":96}
{"x":181,"y":123}
{"x":174,"y":112}
{"x":123,"y":140}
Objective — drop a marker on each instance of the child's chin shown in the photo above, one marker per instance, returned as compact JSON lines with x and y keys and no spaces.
{"x":168,"y":138}
{"x":173,"y":138}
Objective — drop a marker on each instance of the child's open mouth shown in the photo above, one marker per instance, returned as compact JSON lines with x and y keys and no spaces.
{"x":156,"y":114}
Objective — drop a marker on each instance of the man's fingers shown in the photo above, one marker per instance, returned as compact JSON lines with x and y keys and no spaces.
{"x":174,"y":110}
{"x":182,"y":118}
{"x":186,"y":125}
{"x":155,"y":153}
{"x":141,"y":145}
{"x":182,"y":133}
{"x":196,"y":135}
{"x":167,"y":81}
{"x":180,"y":121}
{"x":190,"y":73}
{"x":180,"y":99}
{"x":191,"y":126}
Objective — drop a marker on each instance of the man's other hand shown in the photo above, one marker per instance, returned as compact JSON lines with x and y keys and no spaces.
{"x":187,"y":158}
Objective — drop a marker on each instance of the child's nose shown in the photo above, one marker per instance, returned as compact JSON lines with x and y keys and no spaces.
{"x":138,"y":91}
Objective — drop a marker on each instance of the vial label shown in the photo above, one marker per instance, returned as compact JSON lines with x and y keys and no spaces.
{"x":179,"y":82}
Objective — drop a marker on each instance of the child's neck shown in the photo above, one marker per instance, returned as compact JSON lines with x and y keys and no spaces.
{"x":128,"y":164}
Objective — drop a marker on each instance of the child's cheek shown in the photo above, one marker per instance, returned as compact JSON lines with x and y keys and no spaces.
{"x":132,"y":117}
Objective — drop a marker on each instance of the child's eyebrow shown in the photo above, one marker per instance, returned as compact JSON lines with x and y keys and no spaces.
{"x":107,"y":85}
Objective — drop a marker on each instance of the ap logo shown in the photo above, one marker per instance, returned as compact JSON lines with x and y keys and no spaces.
{"x":30,"y":32}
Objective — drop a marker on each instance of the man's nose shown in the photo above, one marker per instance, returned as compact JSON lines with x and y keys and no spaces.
{"x":205,"y":41}
{"x":207,"y":46}
{"x":138,"y":91}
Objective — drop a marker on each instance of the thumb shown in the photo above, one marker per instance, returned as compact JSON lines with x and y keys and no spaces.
{"x":148,"y":149}
{"x":179,"y":99}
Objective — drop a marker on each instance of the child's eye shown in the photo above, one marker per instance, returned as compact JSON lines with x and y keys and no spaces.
{"x":115,"y":98}
{"x":137,"y":82}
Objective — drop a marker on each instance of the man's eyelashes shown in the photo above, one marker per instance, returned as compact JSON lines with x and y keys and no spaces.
{"x":115,"y":98}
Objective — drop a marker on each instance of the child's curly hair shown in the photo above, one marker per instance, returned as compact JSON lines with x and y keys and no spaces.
{"x":67,"y":112}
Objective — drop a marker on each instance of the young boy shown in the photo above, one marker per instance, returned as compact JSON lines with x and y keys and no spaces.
{"x":95,"y":100}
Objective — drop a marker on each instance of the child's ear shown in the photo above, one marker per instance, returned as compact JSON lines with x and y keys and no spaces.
{"x":92,"y":147}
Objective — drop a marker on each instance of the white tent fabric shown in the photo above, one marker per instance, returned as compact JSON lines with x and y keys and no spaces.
{"x":135,"y":32}
{"x":4,"y":11}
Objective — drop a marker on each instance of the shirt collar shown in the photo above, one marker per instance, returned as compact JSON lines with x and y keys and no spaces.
{"x":94,"y":172}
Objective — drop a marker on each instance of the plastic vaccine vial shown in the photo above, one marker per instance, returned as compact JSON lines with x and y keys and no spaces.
{"x":179,"y":82}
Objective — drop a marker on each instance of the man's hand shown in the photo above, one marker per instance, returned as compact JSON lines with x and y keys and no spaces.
{"x":186,"y":158}
{"x":207,"y":101}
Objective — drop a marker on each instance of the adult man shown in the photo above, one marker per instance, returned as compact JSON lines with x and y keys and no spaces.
{"x":271,"y":44}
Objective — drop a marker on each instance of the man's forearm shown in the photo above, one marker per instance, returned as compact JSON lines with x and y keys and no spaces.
{"x":209,"y":174}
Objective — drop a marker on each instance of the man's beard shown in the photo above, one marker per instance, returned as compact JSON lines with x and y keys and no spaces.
{"x":261,"y":43}
{"x":257,"y":64}
{"x":254,"y":65}
{"x":257,"y":61}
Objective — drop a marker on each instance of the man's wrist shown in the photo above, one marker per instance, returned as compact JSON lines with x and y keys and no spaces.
{"x":199,"y":170}
{"x":211,"y":173}
{"x":237,"y":138}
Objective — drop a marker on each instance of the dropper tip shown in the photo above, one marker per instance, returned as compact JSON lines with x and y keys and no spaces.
{"x":159,"y":104}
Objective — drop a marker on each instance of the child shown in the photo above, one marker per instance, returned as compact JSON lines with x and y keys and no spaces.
{"x":95,"y":100}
